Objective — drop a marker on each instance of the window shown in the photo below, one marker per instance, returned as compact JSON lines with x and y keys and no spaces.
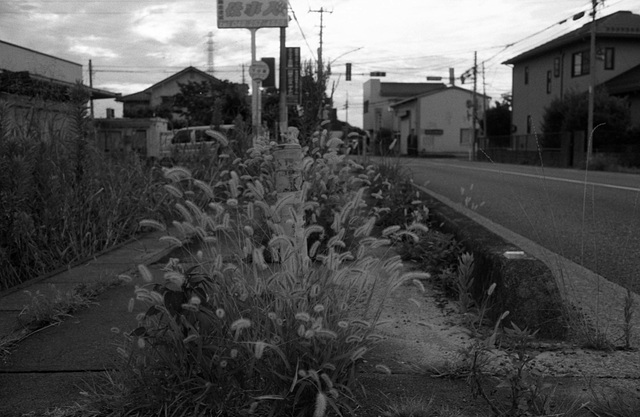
{"x":526,"y":75}
{"x":548,"y":82}
{"x":529,"y":123}
{"x":609,"y":58}
{"x":580,"y":64}
{"x":366,"y":106}
{"x":556,"y":67}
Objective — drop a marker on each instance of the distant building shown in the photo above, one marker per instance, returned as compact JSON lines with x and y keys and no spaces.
{"x":551,"y":70}
{"x":36,"y":86}
{"x":146,"y":103}
{"x":437,"y":122}
{"x":378,"y":97}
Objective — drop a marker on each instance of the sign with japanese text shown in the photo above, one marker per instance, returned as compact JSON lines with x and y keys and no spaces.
{"x":293,"y":75}
{"x":252,"y":13}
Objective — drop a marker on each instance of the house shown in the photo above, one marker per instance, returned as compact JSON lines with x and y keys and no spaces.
{"x":378,"y":97}
{"x":437,"y":122}
{"x":551,"y":70}
{"x":146,"y":103}
{"x":36,"y":85}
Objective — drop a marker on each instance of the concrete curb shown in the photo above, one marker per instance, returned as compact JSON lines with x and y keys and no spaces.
{"x":525,"y":286}
{"x":599,"y":300}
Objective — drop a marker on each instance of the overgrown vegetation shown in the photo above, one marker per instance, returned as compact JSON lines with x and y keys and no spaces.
{"x":60,"y":200}
{"x":230,"y":334}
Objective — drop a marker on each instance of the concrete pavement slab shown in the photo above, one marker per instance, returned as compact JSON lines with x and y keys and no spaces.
{"x":86,"y":341}
{"x":44,"y":391}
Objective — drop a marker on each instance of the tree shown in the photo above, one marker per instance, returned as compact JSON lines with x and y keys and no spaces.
{"x":568,"y":114}
{"x":313,"y":100}
{"x":499,"y":119}
{"x":204,"y":103}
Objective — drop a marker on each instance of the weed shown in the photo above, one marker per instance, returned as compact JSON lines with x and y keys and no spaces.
{"x":434,"y":252}
{"x":616,"y":402}
{"x":417,"y":407}
{"x":50,"y":309}
{"x":627,"y":326}
{"x":221,"y":333}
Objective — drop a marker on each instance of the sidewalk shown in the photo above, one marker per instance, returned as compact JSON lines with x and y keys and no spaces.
{"x":44,"y":370}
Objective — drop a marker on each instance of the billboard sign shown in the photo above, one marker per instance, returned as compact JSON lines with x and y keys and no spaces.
{"x":251,"y":14}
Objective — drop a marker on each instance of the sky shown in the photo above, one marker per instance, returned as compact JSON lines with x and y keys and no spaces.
{"x":133,"y":44}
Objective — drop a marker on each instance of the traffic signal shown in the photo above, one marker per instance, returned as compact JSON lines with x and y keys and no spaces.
{"x":348,"y":71}
{"x":377,"y":74}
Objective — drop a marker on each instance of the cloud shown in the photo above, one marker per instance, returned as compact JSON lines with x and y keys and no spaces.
{"x":158,"y":22}
{"x":93,"y":51}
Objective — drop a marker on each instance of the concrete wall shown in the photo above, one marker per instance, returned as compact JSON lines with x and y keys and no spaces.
{"x":30,"y":117}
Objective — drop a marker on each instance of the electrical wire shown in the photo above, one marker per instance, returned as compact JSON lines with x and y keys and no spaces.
{"x":293,"y":12}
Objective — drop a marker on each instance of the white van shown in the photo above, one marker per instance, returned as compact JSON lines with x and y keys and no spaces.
{"x":194,"y":140}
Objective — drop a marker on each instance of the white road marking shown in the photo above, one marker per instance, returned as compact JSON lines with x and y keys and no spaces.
{"x":542,"y":177}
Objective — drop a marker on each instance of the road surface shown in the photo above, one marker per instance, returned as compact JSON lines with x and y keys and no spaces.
{"x":597,"y":226}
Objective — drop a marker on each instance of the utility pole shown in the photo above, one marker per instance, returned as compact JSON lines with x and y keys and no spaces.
{"x":475,"y":103}
{"x":210,"y":54}
{"x":592,"y":78}
{"x":322,"y":11}
{"x":346,"y":107}
{"x":484,"y":105}
{"x":91,"y":86}
{"x":282,"y":105}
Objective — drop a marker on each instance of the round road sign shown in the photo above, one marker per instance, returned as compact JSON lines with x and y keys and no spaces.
{"x":259,"y":71}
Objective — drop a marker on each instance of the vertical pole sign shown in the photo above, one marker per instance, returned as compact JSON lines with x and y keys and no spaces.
{"x":293,"y":76}
{"x":253,"y":15}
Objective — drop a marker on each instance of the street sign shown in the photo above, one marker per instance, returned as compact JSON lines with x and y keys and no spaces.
{"x":252,"y":14}
{"x":259,"y":71}
{"x":293,"y":75}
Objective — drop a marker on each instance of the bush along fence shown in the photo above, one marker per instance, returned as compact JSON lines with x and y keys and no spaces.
{"x":566,"y":150}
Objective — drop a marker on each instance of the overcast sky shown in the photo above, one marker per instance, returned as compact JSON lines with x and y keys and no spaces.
{"x":136,"y":43}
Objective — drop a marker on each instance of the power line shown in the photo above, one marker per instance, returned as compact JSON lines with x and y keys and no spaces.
{"x":301,"y":31}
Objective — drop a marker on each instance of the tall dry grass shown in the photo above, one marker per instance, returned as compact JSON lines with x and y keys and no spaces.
{"x":61,"y":200}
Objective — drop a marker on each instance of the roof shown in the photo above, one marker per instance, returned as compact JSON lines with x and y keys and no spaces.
{"x":40,"y":53}
{"x":408,"y":89}
{"x":434,"y":92}
{"x":145,"y":95}
{"x":625,"y":83}
{"x":619,"y":25}
{"x":25,"y":78}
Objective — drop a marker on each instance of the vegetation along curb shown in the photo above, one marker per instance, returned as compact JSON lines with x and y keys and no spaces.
{"x":525,"y":286}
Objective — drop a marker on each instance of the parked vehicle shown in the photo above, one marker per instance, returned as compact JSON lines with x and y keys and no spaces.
{"x":194,"y":140}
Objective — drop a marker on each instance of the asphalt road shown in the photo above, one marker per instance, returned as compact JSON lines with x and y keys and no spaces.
{"x":597,"y":226}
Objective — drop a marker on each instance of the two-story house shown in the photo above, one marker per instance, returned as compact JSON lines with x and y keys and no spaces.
{"x":378,"y":97}
{"x":437,"y":122}
{"x":551,"y":70}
